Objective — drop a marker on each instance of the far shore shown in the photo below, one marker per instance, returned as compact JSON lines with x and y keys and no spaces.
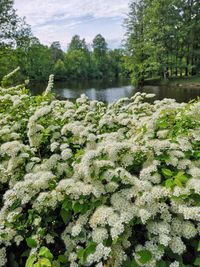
{"x":189,"y":82}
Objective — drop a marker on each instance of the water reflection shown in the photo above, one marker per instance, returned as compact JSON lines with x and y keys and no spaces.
{"x":110,"y":91}
{"x":181,"y":94}
{"x":107,"y":95}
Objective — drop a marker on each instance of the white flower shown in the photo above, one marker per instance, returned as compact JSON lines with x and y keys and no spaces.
{"x":3,"y":258}
{"x":54,"y":146}
{"x":66,"y":154}
{"x":177,"y":245}
{"x":174,"y":264}
{"x":99,"y":235}
{"x":188,"y":230}
{"x":76,"y":230}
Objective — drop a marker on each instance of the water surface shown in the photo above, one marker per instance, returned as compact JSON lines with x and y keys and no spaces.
{"x":110,"y":91}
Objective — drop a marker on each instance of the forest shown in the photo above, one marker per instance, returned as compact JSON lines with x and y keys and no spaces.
{"x":18,"y":47}
{"x":162,"y":40}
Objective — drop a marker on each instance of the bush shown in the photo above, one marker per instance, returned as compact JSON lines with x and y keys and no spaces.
{"x":86,"y":184}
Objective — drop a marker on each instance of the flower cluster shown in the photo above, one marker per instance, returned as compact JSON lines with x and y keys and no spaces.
{"x":86,"y":184}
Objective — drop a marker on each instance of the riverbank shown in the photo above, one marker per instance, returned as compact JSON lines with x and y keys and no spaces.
{"x":189,"y":82}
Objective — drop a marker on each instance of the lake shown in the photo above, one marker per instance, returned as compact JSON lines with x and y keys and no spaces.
{"x":110,"y":91}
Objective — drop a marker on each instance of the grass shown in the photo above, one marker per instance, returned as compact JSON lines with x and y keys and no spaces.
{"x":190,"y":81}
{"x":186,"y":80}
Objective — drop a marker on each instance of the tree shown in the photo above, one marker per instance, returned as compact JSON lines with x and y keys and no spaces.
{"x":39,"y":62}
{"x":12,"y":28}
{"x":56,"y":51}
{"x":59,"y":70}
{"x":135,"y":41}
{"x":8,"y":21}
{"x":162,"y":38}
{"x":115,"y":61}
{"x":100,"y":50}
{"x":15,"y":37}
{"x":100,"y":46}
{"x":77,"y":44}
{"x":76,"y":64}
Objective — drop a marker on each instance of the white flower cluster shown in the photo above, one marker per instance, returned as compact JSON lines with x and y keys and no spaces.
{"x":110,"y":183}
{"x":50,"y":85}
{"x":3,"y":258}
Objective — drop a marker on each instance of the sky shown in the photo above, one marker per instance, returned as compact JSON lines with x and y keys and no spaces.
{"x":59,"y":20}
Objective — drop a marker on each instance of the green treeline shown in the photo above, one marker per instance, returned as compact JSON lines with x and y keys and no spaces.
{"x":81,"y":62}
{"x":18,"y":47}
{"x":162,"y":41}
{"x":163,"y":38}
{"x":38,"y":61}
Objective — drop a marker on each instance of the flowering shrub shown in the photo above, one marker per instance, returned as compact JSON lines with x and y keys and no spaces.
{"x":86,"y":184}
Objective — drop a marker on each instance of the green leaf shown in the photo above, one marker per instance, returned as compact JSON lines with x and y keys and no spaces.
{"x":107,"y":242}
{"x":55,"y":264}
{"x":41,"y":231}
{"x":133,"y":264}
{"x":85,"y":208}
{"x":52,"y":184}
{"x":161,"y":264}
{"x":91,"y":248}
{"x":197,"y":261}
{"x":26,"y":253}
{"x":44,"y":262}
{"x":169,"y":183}
{"x":145,"y":256}
{"x":67,"y":205}
{"x":180,"y":179}
{"x":81,"y":254}
{"x":62,"y":258}
{"x":30,"y":261}
{"x":196,"y":198}
{"x":167,"y":173}
{"x":197,"y":154}
{"x":66,"y":215}
{"x":178,"y":183}
{"x":31,"y":242}
{"x":46,"y":253}
{"x":198,"y":247}
{"x":130,"y":263}
{"x":77,"y":207}
{"x":181,"y":176}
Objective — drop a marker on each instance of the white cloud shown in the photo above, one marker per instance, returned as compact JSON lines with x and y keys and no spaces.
{"x":50,"y":19}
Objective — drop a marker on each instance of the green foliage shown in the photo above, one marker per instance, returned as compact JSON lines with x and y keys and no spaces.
{"x":12,"y":28}
{"x":59,"y":70}
{"x":197,"y":262}
{"x":162,"y":39}
{"x":76,"y":64}
{"x":84,"y":253}
{"x":31,"y":243}
{"x":56,"y":52}
{"x":42,"y":259}
{"x":37,"y":61}
{"x":79,"y":184}
{"x":18,"y":47}
{"x":144,"y":256}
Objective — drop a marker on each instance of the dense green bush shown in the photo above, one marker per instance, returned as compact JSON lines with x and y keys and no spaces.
{"x":86,"y":184}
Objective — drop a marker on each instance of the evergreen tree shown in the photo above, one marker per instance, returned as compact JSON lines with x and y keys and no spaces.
{"x":56,"y":51}
{"x":100,"y":49}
